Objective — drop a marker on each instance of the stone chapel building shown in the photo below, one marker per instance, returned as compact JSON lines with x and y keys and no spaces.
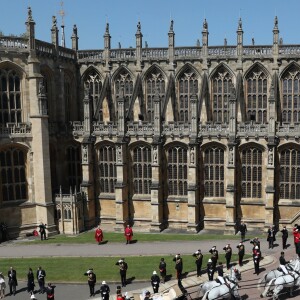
{"x":185,"y":138}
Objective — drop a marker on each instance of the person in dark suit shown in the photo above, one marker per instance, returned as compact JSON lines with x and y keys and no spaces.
{"x":40,"y":275}
{"x":12,"y":281}
{"x":42,"y":229}
{"x":30,"y":281}
{"x":285,"y":235}
{"x":241,"y":253}
{"x":163,"y":270}
{"x":243,"y":230}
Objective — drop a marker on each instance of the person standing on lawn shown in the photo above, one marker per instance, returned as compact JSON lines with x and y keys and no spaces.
{"x":198,"y":261}
{"x":243,"y":230}
{"x":30,"y":281}
{"x":123,"y":270}
{"x":40,"y":275}
{"x":12,"y":281}
{"x":99,"y":235}
{"x":91,"y":281}
{"x":163,"y":270}
{"x":128,"y":234}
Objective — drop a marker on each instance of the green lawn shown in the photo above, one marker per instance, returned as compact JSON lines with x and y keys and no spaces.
{"x":88,"y":237}
{"x":71,"y":269}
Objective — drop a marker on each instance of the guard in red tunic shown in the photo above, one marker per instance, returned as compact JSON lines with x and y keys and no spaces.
{"x":99,"y":235}
{"x":128,"y":234}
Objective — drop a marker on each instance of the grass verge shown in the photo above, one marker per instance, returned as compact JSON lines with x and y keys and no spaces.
{"x":71,"y":269}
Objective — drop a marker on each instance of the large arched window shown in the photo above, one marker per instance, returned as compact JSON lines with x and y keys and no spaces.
{"x":10,"y":97}
{"x":107,"y":168}
{"x":221,"y":85}
{"x":290,"y":174}
{"x":123,"y":82}
{"x":188,"y":85}
{"x":93,"y":81}
{"x":177,"y":171}
{"x":155,"y":80}
{"x":73,"y":158}
{"x":142,"y":171}
{"x":13,"y":175}
{"x":256,"y":95}
{"x":291,"y":96}
{"x":214,"y":172}
{"x":251,"y":159}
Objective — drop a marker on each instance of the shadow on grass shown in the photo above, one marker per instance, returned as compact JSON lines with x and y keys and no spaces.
{"x":168,"y":277}
{"x":130,"y":280}
{"x":133,"y":242}
{"x":103,"y":242}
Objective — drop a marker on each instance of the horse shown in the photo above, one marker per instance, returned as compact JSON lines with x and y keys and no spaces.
{"x":285,"y":281}
{"x":223,"y":291}
{"x":293,"y":265}
{"x":234,"y":276}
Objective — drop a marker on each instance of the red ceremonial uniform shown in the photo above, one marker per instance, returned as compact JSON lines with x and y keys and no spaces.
{"x":99,"y":235}
{"x":128,"y":233}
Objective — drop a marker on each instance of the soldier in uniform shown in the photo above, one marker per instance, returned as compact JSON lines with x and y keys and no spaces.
{"x":104,"y":291}
{"x":163,"y":270}
{"x":214,"y":256}
{"x":220,"y":270}
{"x":199,"y":257}
{"x":241,"y":253}
{"x":210,"y":270}
{"x":91,"y":281}
{"x":282,"y":263}
{"x":256,"y":259}
{"x":155,"y":282}
{"x":228,"y":254}
{"x":178,"y":266}
{"x":123,"y":270}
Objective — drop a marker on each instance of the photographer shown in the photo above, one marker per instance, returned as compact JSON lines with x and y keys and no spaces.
{"x":214,"y":256}
{"x":91,"y":281}
{"x":228,"y":254}
{"x":123,"y":270}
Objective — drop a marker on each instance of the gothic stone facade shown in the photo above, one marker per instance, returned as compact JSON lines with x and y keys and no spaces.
{"x":180,"y":137}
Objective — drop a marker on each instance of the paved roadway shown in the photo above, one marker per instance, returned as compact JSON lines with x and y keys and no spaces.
{"x":248,"y":288}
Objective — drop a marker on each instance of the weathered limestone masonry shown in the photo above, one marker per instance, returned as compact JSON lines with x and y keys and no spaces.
{"x":185,"y":138}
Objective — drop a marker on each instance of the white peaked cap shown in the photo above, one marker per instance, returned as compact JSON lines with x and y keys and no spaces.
{"x":120,"y":260}
{"x":103,"y":282}
{"x":256,"y":247}
{"x":154,"y":272}
{"x":209,"y":260}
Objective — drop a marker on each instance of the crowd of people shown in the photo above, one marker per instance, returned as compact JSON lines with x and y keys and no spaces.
{"x":213,"y":267}
{"x":13,"y":283}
